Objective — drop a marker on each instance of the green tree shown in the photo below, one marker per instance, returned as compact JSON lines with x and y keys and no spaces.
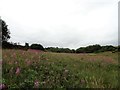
{"x":4,"y":35}
{"x":89,"y":49}
{"x":119,"y":48}
{"x":26,"y":46}
{"x":37,"y":47}
{"x":5,"y":31}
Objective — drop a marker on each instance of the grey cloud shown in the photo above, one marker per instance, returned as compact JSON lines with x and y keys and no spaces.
{"x":64,"y":23}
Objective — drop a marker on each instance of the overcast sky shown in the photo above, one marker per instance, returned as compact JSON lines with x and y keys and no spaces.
{"x":62,"y":23}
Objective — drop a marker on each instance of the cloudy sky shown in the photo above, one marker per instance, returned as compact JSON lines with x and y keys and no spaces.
{"x":62,"y":23}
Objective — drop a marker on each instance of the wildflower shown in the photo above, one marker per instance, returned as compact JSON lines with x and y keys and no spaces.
{"x":3,"y":87}
{"x":36,"y":84}
{"x":17,"y":71}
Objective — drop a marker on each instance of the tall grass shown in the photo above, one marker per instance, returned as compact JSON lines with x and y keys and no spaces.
{"x":34,"y":69}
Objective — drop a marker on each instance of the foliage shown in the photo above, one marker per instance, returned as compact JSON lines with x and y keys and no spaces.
{"x":60,"y":50}
{"x":108,"y":48}
{"x":36,"y":69}
{"x":26,"y":46}
{"x":6,"y":44}
{"x":5,"y":31}
{"x":96,"y":48}
{"x":80,"y":50}
{"x":119,"y":48}
{"x":37,"y":46}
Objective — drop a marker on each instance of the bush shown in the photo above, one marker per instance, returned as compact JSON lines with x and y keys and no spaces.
{"x":97,"y":48}
{"x":37,"y":46}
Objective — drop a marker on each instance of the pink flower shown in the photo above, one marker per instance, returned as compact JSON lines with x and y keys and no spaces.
{"x":17,"y":71}
{"x":36,"y":84}
{"x":3,"y":87}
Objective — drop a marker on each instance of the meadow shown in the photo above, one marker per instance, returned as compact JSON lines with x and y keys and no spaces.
{"x":37,"y":69}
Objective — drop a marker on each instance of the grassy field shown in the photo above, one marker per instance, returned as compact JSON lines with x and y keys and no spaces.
{"x":36,"y":69}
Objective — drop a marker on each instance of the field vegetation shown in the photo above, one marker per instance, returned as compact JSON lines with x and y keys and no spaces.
{"x":38,"y":69}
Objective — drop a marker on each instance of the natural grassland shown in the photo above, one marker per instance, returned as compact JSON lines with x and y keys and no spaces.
{"x":36,"y":69}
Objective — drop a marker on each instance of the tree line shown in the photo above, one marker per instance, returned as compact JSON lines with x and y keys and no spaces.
{"x":8,"y":45}
{"x":88,"y":49}
{"x":97,"y":48}
{"x":5,"y":35}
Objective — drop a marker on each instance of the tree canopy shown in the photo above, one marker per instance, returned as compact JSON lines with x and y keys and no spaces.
{"x":96,"y":48}
{"x":5,"y":31}
{"x":37,"y":46}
